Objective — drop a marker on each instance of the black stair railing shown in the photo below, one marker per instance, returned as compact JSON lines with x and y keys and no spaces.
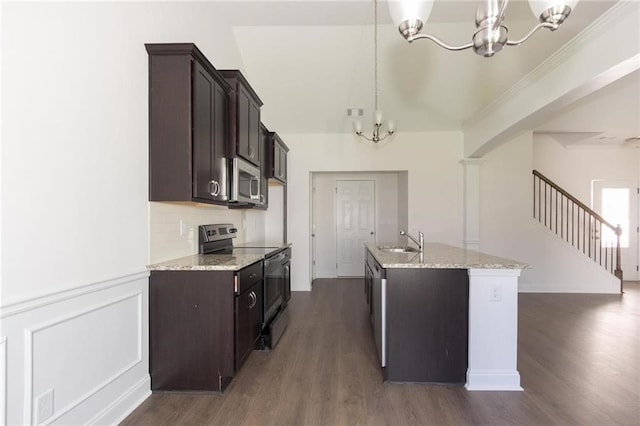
{"x":577,"y":224}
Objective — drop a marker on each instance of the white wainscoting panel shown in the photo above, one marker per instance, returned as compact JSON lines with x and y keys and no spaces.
{"x":90,"y":348}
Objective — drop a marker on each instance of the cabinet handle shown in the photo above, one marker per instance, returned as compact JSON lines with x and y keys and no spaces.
{"x":254,"y":300}
{"x":214,"y":188}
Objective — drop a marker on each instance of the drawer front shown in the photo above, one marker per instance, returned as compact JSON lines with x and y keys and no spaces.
{"x":246,"y":277}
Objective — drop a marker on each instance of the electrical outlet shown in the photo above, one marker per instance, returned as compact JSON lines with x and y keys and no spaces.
{"x":495,"y":293}
{"x":44,"y":405}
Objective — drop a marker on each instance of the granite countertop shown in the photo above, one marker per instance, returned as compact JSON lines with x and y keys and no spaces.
{"x":441,"y":256}
{"x":207,"y":262}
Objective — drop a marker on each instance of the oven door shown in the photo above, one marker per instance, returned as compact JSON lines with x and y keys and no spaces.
{"x":274,"y":276}
{"x":245,"y":186}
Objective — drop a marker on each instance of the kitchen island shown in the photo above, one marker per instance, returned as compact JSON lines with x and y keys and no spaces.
{"x":444,"y":315}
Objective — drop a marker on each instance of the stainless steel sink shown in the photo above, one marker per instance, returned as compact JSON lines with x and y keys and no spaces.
{"x":398,"y":249}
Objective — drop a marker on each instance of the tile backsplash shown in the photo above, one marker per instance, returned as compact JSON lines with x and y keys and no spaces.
{"x":168,"y":240}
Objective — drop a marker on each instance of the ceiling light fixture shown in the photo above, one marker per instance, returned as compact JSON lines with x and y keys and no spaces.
{"x":377,"y":115}
{"x":491,"y":35}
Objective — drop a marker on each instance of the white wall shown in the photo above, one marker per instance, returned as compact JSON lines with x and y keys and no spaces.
{"x":74,"y":197}
{"x":274,"y":216}
{"x":434,"y":183}
{"x":267,"y":226}
{"x":575,"y":168}
{"x":508,"y":229}
{"x":386,"y":214}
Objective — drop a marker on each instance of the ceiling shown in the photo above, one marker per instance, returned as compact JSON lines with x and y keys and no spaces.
{"x":607,"y":117}
{"x":310,"y":61}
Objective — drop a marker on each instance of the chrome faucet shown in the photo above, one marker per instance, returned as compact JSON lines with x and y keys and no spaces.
{"x":419,"y":241}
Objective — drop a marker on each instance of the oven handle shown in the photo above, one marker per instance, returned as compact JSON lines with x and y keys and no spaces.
{"x":276,"y":259}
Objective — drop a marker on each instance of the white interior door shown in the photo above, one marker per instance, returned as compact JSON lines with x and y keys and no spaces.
{"x":355,"y":224}
{"x":617,"y":202}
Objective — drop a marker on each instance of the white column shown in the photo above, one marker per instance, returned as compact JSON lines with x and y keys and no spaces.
{"x":493,"y":330}
{"x":471,"y":202}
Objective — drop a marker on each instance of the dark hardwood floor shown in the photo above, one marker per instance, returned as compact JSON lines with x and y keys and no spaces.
{"x":578,"y":356}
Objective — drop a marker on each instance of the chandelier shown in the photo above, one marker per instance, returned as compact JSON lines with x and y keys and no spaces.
{"x":491,"y":35}
{"x":377,"y":115}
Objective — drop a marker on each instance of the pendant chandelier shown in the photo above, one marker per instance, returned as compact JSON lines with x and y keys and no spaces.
{"x":491,"y":35}
{"x":377,"y":115}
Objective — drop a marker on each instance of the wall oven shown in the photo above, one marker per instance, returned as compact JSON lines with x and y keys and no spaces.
{"x":245,"y":182}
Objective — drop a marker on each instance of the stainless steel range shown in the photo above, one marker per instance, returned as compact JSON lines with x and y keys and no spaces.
{"x":218,"y":239}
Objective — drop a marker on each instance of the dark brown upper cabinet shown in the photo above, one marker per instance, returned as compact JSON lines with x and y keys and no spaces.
{"x":265,"y":137}
{"x":188,"y":126}
{"x":244,"y":117}
{"x":277,"y":158}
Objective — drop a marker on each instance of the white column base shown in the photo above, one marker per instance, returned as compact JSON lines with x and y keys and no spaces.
{"x":493,"y":381}
{"x":493,"y":330}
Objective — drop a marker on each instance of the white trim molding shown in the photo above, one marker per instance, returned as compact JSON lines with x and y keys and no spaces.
{"x":493,"y":330}
{"x":585,"y":64}
{"x":90,"y":345}
{"x":22,"y":306}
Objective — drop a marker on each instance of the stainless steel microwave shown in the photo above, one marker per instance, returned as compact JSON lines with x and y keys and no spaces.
{"x":245,"y":182}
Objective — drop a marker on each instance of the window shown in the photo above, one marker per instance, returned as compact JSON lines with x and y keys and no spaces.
{"x":615,"y":209}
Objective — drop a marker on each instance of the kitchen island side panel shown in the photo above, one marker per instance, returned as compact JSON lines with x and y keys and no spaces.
{"x":427,"y":325}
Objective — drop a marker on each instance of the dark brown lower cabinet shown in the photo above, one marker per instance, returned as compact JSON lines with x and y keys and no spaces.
{"x":200,"y":331}
{"x":427,"y":325}
{"x":248,"y":322}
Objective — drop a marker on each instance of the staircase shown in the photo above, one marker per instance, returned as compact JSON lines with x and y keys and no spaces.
{"x":578,"y":225}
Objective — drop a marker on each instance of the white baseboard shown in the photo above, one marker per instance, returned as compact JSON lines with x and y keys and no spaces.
{"x":3,"y":380}
{"x":562,"y":288}
{"x":493,"y":381}
{"x":117,"y":411}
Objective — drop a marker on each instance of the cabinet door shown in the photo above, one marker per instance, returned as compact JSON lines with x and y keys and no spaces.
{"x":282,"y":164}
{"x":191,"y":330}
{"x":378,"y":312}
{"x":264,"y":172}
{"x":248,"y":127}
{"x":204,"y":94}
{"x":287,"y":282}
{"x":254,"y":133}
{"x":368,"y":278}
{"x":219,"y":148}
{"x":248,"y":322}
{"x":244,"y":106}
{"x":275,"y":152}
{"x":209,"y":137}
